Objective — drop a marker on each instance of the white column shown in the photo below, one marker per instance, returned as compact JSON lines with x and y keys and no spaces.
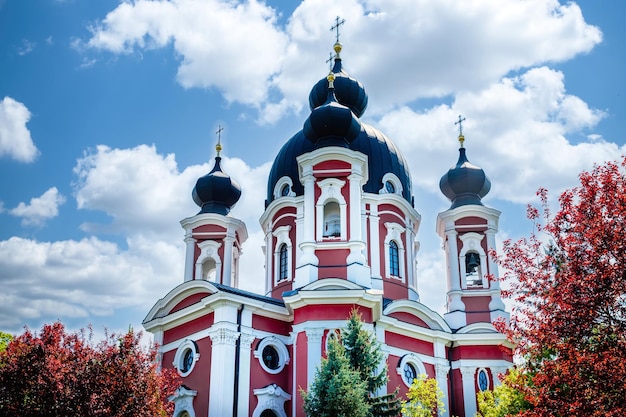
{"x":374,"y":243}
{"x":243,"y":403}
{"x":454,"y":279}
{"x":222,"y":391}
{"x":269,"y":250}
{"x":469,"y":393}
{"x":306,"y":271}
{"x":190,"y":246}
{"x":314,"y":352}
{"x":355,"y":207}
{"x":227,"y":264}
{"x":441,"y":371}
{"x":309,"y":208}
{"x":409,"y":254}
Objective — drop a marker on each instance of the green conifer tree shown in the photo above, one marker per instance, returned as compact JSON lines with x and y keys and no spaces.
{"x":337,"y":390}
{"x":365,"y":355}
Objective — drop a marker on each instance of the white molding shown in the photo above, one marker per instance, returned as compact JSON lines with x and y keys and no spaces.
{"x":181,"y":352}
{"x":271,"y":397}
{"x":281,"y":349}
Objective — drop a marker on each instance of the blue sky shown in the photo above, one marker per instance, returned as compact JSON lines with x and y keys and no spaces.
{"x":108,"y":113}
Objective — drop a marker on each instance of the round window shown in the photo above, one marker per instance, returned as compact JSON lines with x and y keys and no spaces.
{"x":409,"y":373}
{"x":390,"y":187}
{"x":187,"y":361}
{"x":186,"y":357}
{"x":270,"y":357}
{"x":284,"y":191}
{"x":272,"y":354}
{"x":483,"y":380}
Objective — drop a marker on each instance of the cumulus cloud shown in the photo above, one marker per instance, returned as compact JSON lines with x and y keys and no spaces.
{"x":40,"y":208}
{"x":515,"y":129}
{"x":71,"y":279}
{"x":15,"y":140}
{"x":232,"y":46}
{"x":444,"y":46}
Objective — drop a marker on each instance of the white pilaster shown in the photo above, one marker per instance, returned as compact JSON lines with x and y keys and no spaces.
{"x":469,"y":392}
{"x":375,"y":246}
{"x":441,"y":373}
{"x":190,"y":246}
{"x":243,"y":396}
{"x":221,"y":395}
{"x":228,"y":260}
{"x":314,"y":352}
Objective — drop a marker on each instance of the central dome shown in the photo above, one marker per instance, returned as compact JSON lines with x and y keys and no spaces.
{"x":383,"y":155}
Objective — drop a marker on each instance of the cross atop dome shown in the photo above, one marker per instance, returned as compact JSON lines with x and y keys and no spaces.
{"x":460,"y":123}
{"x":338,"y":23}
{"x":218,"y":147}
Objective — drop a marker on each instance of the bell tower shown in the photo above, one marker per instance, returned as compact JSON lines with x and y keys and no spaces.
{"x":213,"y":237}
{"x":468,"y":230}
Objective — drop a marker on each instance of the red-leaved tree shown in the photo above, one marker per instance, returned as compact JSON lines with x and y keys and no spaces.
{"x":568,"y":281}
{"x":56,"y":373}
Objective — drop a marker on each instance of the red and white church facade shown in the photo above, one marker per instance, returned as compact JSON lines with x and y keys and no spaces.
{"x":340,"y":233}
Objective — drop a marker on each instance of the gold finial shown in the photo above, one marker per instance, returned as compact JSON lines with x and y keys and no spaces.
{"x":331,"y":80}
{"x":337,"y":47}
{"x":218,"y":147}
{"x":460,"y":123}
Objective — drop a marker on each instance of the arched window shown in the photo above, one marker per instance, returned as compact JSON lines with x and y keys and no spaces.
{"x":283,"y":265}
{"x":394,"y":261}
{"x":208,"y":269}
{"x":472,"y":269}
{"x":332,"y":220}
{"x":268,"y":413}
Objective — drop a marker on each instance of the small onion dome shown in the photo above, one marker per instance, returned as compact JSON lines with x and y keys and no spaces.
{"x":216,"y":192}
{"x":331,"y":124}
{"x":348,"y":90}
{"x":464,"y":183}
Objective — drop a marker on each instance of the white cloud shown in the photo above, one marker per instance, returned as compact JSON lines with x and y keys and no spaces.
{"x":39,"y":209}
{"x":258,"y":63}
{"x":43,"y":281}
{"x":26,"y":47}
{"x":515,"y":130}
{"x":140,"y":189}
{"x":15,"y":140}
{"x":232,"y":46}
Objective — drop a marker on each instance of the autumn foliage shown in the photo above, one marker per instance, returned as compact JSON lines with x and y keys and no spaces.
{"x":569,"y":286}
{"x":55,"y":373}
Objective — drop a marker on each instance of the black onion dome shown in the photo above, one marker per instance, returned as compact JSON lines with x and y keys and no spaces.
{"x":348,"y":90}
{"x":464,"y":183}
{"x":216,"y":192}
{"x":331,"y":124}
{"x":383,"y":157}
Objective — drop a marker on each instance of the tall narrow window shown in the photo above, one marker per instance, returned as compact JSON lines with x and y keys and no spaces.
{"x":282,"y":275}
{"x":394,"y":262}
{"x":472,"y":269}
{"x":332,"y":220}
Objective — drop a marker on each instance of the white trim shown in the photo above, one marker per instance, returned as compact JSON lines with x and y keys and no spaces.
{"x":271,"y":397}
{"x":394,"y":180}
{"x":413,"y":360}
{"x":278,"y":188}
{"x":209,"y":250}
{"x":472,"y":243}
{"x":181,"y":353}
{"x":331,"y":192}
{"x":394,"y":232}
{"x":279,"y":347}
{"x":478,"y":378}
{"x":282,"y":237}
{"x":183,"y":401}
